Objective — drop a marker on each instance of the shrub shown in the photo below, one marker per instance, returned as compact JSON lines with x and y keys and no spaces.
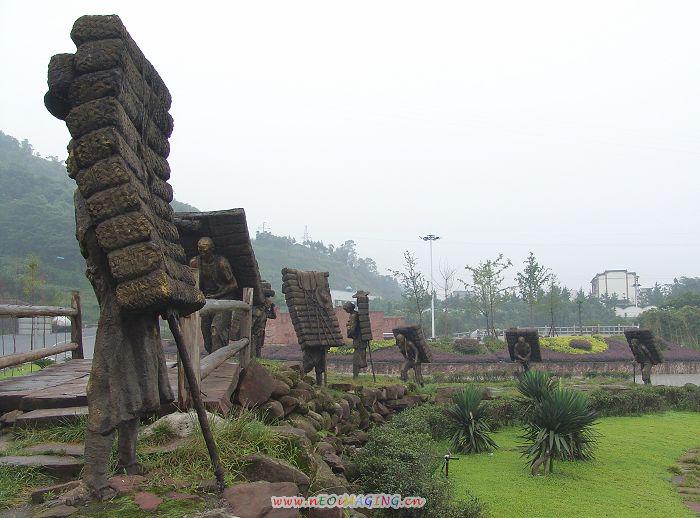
{"x":644,"y":399}
{"x":563,"y":344}
{"x":467,"y":346}
{"x":467,"y":422}
{"x":584,"y":345}
{"x":423,"y":419}
{"x":398,"y":458}
{"x":535,"y":385}
{"x":504,"y":412}
{"x":560,"y":426}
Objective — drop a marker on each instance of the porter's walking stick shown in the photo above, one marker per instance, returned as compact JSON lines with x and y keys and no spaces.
{"x":174,"y":325}
{"x":371,"y":363}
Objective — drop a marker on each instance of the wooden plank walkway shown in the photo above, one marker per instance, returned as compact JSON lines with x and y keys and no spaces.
{"x":63,"y":386}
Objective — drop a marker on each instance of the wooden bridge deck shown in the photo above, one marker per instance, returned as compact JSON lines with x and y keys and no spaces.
{"x":63,"y":386}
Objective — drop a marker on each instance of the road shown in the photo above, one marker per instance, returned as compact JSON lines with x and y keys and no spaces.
{"x":10,"y":344}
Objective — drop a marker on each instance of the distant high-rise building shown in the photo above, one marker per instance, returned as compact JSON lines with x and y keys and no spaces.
{"x":622,"y":283}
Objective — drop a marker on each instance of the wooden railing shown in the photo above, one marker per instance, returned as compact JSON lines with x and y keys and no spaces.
{"x":192,"y":332}
{"x":74,"y":313}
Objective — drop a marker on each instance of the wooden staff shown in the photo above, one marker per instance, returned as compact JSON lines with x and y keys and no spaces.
{"x":371,"y":363}
{"x":196,"y":396}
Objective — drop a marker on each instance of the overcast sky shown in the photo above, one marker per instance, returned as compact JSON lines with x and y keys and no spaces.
{"x":571,"y":129}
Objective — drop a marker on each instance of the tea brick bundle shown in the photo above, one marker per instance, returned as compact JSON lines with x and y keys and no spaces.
{"x":645,"y":338}
{"x":115,"y":106}
{"x":362,"y":298}
{"x":311,"y":308}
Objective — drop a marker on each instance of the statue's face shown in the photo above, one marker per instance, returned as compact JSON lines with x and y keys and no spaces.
{"x":205,"y":246}
{"x":348,"y":308}
{"x":400,"y":339}
{"x":521,"y":339}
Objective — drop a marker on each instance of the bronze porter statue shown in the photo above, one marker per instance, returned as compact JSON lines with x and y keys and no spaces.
{"x":124,"y":226}
{"x":523,"y":353}
{"x":645,"y":349}
{"x":413,"y":347}
{"x":359,"y":356}
{"x":216,"y":282}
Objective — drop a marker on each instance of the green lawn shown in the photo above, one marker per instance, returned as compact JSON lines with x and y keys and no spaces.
{"x":629,"y":476}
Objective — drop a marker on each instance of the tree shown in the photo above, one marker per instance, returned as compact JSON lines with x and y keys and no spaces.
{"x":554,"y":297}
{"x":486,"y":286}
{"x":530,"y":282}
{"x":447,"y":277}
{"x":31,"y":280}
{"x":414,"y":286}
{"x":580,"y":301}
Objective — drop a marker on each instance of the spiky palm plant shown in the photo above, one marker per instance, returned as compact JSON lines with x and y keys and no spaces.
{"x":560,"y":426}
{"x":467,"y":418}
{"x":535,"y":385}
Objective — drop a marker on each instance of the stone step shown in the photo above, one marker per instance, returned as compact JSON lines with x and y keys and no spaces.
{"x":62,"y":467}
{"x":51,"y":417}
{"x":56,"y":448}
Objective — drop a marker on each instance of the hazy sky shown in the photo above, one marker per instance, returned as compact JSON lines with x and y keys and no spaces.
{"x":571,"y":129}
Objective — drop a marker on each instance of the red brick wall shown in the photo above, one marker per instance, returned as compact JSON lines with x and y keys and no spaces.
{"x":280,"y":331}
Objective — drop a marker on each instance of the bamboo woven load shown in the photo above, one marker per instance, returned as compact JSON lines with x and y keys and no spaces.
{"x":115,"y":106}
{"x":229,"y":231}
{"x":414,"y":333}
{"x":308,"y":297}
{"x":363,"y":313}
{"x":531,"y":336}
{"x":646,"y":338}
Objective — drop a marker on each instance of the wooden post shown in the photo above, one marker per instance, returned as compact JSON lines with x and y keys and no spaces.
{"x":247,"y":327}
{"x":191,"y":327}
{"x":76,"y":327}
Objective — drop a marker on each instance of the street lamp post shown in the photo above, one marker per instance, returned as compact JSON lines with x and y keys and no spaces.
{"x":430,"y":238}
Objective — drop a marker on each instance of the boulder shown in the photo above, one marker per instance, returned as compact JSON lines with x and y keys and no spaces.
{"x":289,"y":404}
{"x":124,"y":484}
{"x":253,"y":500}
{"x":261,"y":467}
{"x":255,"y":386}
{"x":273,"y":410}
{"x":377,"y":418}
{"x":305,"y":385}
{"x":301,"y":394}
{"x":345,"y":408}
{"x":180,"y":423}
{"x":325,"y":480}
{"x":352,"y":399}
{"x":309,"y":380}
{"x":279,"y":389}
{"x":334,"y":462}
{"x":303,"y":423}
{"x":147,"y":501}
{"x":39,"y":495}
{"x":323,"y":447}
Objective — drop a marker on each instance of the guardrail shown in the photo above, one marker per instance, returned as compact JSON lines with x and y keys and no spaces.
{"x":607,"y":330}
{"x":74,"y":313}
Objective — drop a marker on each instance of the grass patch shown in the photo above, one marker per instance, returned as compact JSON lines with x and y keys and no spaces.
{"x":237,"y":437}
{"x":628,"y":477}
{"x":376,"y":346}
{"x":15,"y":484}
{"x":574,"y":344}
{"x":69,"y":432}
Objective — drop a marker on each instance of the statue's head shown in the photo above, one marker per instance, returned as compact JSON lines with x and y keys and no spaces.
{"x":349,"y":306}
{"x":634,"y":341}
{"x":205,"y":246}
{"x":521,"y":339}
{"x":400,"y":339}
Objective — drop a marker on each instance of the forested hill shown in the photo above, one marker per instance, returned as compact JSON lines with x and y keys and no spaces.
{"x":345,"y":266}
{"x":37,"y":219}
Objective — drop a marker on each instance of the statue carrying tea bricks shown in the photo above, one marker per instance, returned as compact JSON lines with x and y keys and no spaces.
{"x":115,"y":106}
{"x":412,"y":345}
{"x":523,"y":347}
{"x":308,"y":297}
{"x":645,"y":350}
{"x":261,"y":312}
{"x":216,"y":281}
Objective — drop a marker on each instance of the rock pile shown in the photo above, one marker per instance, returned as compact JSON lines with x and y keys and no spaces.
{"x":329,"y":422}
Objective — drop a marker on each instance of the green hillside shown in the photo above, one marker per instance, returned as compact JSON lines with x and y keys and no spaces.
{"x":346,"y":268}
{"x":38,"y":228}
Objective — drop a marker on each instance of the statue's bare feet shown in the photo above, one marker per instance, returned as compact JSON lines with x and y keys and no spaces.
{"x":82,"y":495}
{"x":133,"y":469}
